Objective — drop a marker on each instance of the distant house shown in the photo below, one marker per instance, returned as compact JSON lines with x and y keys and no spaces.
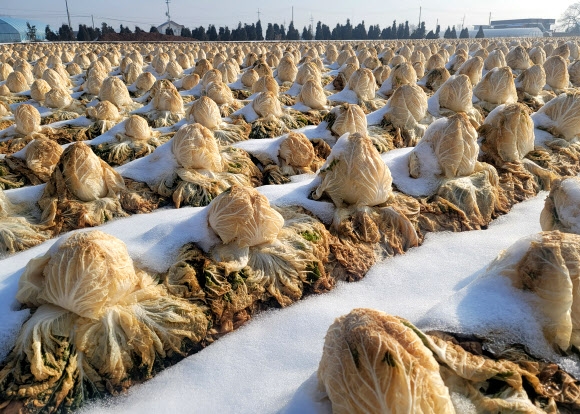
{"x":174,"y":26}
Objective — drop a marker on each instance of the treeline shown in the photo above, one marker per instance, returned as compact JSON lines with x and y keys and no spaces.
{"x":273,"y":32}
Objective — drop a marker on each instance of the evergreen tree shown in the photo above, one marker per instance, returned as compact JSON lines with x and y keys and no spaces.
{"x":464,"y":34}
{"x":318,"y":34}
{"x":401,"y":31}
{"x":360,"y":32}
{"x":94,"y":34}
{"x":65,"y":33}
{"x":419,"y":32}
{"x":105,"y":28}
{"x":185,"y":32}
{"x":259,"y":34}
{"x":251,"y":31}
{"x":153,"y":30}
{"x":480,"y":34}
{"x":406,"y":31}
{"x":138,"y":30}
{"x":227,"y":34}
{"x":453,"y":34}
{"x":326,"y":35}
{"x":212,"y":33}
{"x":30,"y":32}
{"x":49,"y":34}
{"x":169,"y":31}
{"x":431,"y":35}
{"x":394,"y":30}
{"x":347,"y":31}
{"x":83,"y":34}
{"x":240,"y":34}
{"x":283,"y":34}
{"x":437,"y":31}
{"x":447,"y":34}
{"x":293,"y":34}
{"x":270,"y":32}
{"x":336,"y":33}
{"x":386,"y":33}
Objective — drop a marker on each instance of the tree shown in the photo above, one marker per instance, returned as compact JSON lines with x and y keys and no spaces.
{"x":419,"y":32}
{"x":185,"y":32}
{"x":453,"y":34}
{"x":318,"y":33}
{"x":30,"y":32}
{"x":105,"y":28}
{"x":386,"y":33}
{"x":293,"y":33}
{"x":270,"y":32}
{"x":83,"y":34}
{"x":480,"y":34}
{"x":65,"y":33}
{"x":212,"y":33}
{"x":447,"y":34}
{"x":227,"y":34}
{"x":464,"y":34}
{"x":169,"y":31}
{"x":570,"y":20}
{"x":251,"y":31}
{"x":49,"y":34}
{"x":153,"y":30}
{"x":326,"y":32}
{"x":406,"y":32}
{"x":259,"y":34}
{"x":431,"y":35}
{"x":138,"y":30}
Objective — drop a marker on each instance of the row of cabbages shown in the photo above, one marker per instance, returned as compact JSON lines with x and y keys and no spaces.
{"x":375,"y":362}
{"x":399,"y":139}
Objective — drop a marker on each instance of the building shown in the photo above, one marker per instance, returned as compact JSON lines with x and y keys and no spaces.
{"x":516,"y":28}
{"x":174,"y":26}
{"x":545,"y":25}
{"x":14,"y":30}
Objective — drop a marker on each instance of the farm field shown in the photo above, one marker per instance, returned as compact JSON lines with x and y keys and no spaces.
{"x":183,"y":222}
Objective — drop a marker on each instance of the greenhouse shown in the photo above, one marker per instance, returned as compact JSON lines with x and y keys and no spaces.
{"x":14,"y":30}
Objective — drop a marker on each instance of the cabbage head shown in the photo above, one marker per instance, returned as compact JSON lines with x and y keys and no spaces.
{"x":376,"y":363}
{"x":355,"y":174}
{"x":508,"y":133}
{"x":453,"y":142}
{"x":562,"y":207}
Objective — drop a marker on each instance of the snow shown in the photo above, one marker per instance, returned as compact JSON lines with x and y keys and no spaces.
{"x":346,"y":95}
{"x":153,"y":168}
{"x":248,"y":113}
{"x":398,"y":162}
{"x":376,"y":117}
{"x":269,"y":364}
{"x":265,"y":147}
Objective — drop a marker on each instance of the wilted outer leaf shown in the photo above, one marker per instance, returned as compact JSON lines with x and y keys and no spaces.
{"x":375,"y":363}
{"x":355,"y":174}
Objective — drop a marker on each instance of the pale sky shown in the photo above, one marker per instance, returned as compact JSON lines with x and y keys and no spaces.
{"x":191,"y":13}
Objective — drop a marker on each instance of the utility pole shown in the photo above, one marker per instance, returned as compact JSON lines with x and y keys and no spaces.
{"x":68,"y":14}
{"x":311,"y":24}
{"x":258,"y":14}
{"x":490,"y":18}
{"x":292,"y":13}
{"x":463,"y":22}
{"x":419,"y":16}
{"x":167,"y":14}
{"x":93,"y":20}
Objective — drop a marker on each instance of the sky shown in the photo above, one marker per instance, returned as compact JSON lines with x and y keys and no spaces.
{"x":145,"y":13}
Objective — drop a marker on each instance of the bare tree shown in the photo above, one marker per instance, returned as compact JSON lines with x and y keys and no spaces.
{"x":570,"y":20}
